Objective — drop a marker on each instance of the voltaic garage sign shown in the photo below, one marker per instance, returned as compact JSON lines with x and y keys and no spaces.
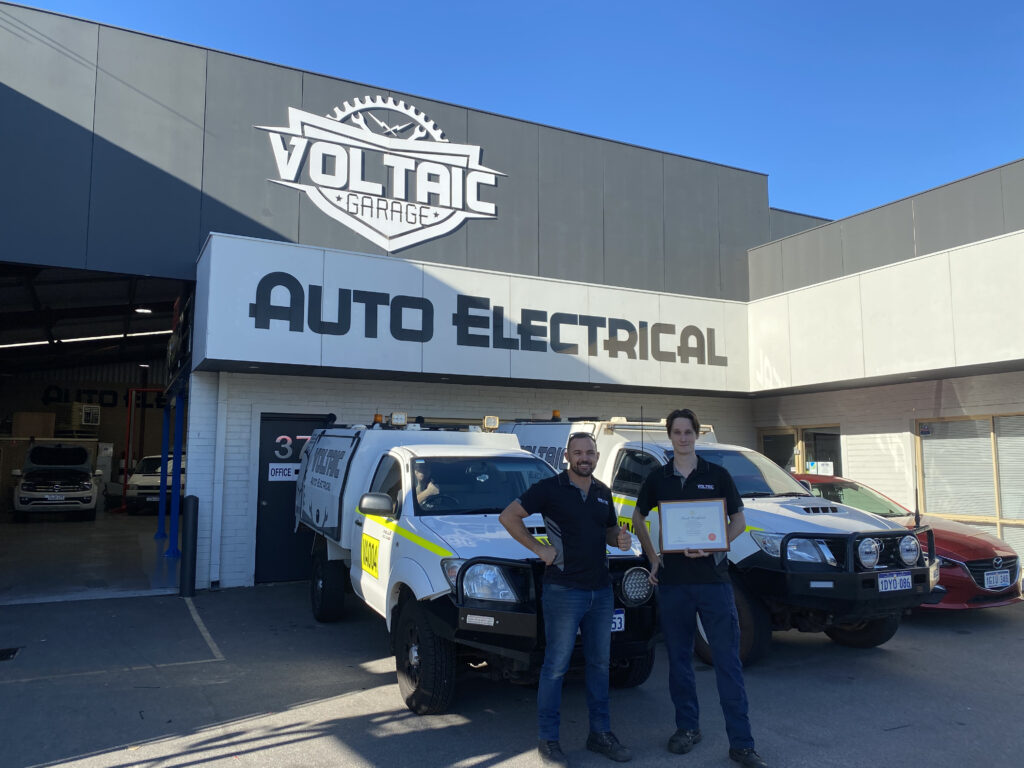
{"x":432,"y":185}
{"x":293,"y":305}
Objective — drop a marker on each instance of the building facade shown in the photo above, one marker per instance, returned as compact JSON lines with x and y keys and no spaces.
{"x":359,"y":251}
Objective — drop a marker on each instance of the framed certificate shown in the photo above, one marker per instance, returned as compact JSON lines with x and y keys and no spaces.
{"x":693,"y":525}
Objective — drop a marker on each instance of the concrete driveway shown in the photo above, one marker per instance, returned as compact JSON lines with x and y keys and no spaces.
{"x":246,"y":677}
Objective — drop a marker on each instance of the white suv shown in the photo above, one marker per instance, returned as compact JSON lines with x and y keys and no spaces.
{"x":56,"y":478}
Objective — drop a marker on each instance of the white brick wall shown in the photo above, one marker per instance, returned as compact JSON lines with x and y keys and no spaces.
{"x":877,"y":423}
{"x":353,"y":401}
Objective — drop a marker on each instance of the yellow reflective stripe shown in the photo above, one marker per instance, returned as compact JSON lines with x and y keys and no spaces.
{"x":405,"y":533}
{"x":624,"y":501}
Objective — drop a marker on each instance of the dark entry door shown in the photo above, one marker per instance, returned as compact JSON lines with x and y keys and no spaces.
{"x":281,"y":555}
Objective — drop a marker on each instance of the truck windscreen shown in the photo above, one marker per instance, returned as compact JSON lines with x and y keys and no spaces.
{"x":458,"y":485}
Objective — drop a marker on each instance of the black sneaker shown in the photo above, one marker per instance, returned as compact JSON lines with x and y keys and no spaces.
{"x":748,"y":758}
{"x":682,"y":741}
{"x":551,"y":753}
{"x":606,"y":744}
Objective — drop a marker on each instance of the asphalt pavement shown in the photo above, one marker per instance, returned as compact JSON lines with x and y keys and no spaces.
{"x":246,"y":677}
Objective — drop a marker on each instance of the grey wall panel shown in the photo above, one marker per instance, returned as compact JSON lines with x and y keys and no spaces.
{"x":742,"y":224}
{"x":321,"y":95}
{"x":454,"y":123}
{"x":237,"y":158}
{"x":691,"y":227}
{"x":968,"y":210}
{"x":1013,"y":195}
{"x":766,"y":271}
{"x":634,"y":200}
{"x":47,"y":84}
{"x":508,"y":243}
{"x":881,"y":236}
{"x":147,"y":166}
{"x":786,"y":223}
{"x":812,"y":257}
{"x":571,"y":206}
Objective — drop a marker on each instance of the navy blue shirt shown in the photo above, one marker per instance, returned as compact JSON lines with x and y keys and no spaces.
{"x":707,"y":481}
{"x":577,"y":528}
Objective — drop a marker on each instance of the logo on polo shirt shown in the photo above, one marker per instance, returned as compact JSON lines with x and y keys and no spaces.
{"x":706,"y":486}
{"x":383,"y":169}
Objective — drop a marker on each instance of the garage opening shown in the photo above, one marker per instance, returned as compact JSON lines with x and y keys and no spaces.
{"x":81,"y":354}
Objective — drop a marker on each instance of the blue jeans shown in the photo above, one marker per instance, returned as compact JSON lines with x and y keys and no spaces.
{"x":679,"y":605}
{"x":566,"y":610}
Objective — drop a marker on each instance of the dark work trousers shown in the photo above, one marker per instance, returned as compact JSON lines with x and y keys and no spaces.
{"x":679,"y":606}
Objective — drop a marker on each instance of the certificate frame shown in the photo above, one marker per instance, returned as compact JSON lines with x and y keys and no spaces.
{"x":697,"y":524}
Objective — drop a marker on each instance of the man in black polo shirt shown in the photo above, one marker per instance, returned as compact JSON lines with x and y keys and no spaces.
{"x":577,"y":594}
{"x":695,"y":582}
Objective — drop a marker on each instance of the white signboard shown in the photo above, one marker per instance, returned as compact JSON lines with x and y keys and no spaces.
{"x":287,"y":473}
{"x":430,"y":185}
{"x":275,"y":303}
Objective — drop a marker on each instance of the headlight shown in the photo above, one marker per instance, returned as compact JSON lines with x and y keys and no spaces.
{"x":867,"y":552}
{"x":799,"y":550}
{"x":451,"y":566}
{"x":636,"y":588}
{"x":28,"y":487}
{"x":910,"y":550}
{"x":768,"y":542}
{"x":484,"y":581}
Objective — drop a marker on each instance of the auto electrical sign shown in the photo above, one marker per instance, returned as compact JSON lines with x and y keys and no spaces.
{"x":279,"y":303}
{"x":384,"y":169}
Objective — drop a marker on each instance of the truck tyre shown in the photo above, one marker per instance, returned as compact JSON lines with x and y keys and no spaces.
{"x":633,"y":672}
{"x":866,"y":634}
{"x":327,"y":583}
{"x":755,"y":629}
{"x":424,"y":661}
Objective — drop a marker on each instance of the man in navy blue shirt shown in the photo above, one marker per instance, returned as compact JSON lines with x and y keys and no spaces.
{"x":580,"y":522}
{"x":694,"y":582}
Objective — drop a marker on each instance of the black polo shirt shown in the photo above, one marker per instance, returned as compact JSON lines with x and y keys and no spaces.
{"x":576,"y":527}
{"x":707,"y":481}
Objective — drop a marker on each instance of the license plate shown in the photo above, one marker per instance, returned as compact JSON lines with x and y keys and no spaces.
{"x":895,"y":582}
{"x":619,"y":620}
{"x":60,"y":497}
{"x":152,"y":498}
{"x":996,"y":579}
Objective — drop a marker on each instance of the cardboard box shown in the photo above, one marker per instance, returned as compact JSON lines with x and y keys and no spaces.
{"x":33,"y":424}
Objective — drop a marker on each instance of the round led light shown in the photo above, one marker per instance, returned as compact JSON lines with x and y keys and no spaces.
{"x":636,"y":588}
{"x":910,"y":550}
{"x":867,"y":552}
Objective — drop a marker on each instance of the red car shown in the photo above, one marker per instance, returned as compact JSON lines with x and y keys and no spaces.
{"x":976,"y":570}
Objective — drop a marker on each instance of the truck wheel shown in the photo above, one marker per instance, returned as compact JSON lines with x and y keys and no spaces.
{"x":866,"y":634}
{"x":755,"y":629}
{"x":327,"y":587}
{"x":425,"y":663}
{"x":633,"y":672}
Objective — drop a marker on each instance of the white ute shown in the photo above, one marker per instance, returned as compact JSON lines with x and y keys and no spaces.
{"x":408,"y":520}
{"x":802,"y":563}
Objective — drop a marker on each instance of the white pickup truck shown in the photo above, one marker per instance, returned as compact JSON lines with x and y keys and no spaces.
{"x":408,"y":521}
{"x":802,"y":563}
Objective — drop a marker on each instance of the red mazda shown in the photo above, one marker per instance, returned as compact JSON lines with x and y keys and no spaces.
{"x":976,"y":570}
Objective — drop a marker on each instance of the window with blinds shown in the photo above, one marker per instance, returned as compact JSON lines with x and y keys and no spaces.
{"x":1010,"y":450}
{"x":958,"y":467}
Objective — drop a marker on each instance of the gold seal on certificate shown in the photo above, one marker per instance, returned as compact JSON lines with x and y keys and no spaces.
{"x":693,"y":525}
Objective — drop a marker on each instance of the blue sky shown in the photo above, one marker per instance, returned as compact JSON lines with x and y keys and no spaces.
{"x":845,"y":105}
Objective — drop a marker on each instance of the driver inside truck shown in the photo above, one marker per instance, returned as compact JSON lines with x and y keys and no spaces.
{"x":425,"y":485}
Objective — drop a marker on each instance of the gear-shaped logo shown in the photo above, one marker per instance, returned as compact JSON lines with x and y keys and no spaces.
{"x":384,"y":169}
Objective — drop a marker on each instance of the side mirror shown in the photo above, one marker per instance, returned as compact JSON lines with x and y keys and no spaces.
{"x":377,"y":504}
{"x":806,"y":484}
{"x":15,"y":473}
{"x":98,"y":473}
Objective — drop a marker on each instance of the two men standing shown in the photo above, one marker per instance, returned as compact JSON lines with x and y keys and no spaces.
{"x":580,"y":521}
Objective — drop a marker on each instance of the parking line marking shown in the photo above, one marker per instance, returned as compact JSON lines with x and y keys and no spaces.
{"x":217,"y":655}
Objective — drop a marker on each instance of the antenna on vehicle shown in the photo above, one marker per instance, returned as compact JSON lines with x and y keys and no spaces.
{"x":917,"y":508}
{"x":641,"y":427}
